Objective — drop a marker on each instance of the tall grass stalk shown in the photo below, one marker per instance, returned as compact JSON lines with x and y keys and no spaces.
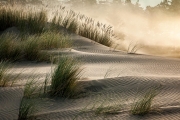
{"x":45,"y":85}
{"x":133,"y":47}
{"x":65,"y":76}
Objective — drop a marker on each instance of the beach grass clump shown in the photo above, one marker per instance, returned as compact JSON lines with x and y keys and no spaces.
{"x":8,"y":17}
{"x":4,"y":67}
{"x":10,"y":47}
{"x":144,"y":104}
{"x":26,"y":109}
{"x":134,"y":47}
{"x":31,"y":50}
{"x":95,"y":31}
{"x":53,"y":40}
{"x":110,"y":109}
{"x":26,"y":21}
{"x":70,"y":21}
{"x":33,"y":23}
{"x":67,"y":19}
{"x":84,"y":26}
{"x":65,"y":76}
{"x":31,"y":88}
{"x":13,"y":48}
{"x":28,"y":105}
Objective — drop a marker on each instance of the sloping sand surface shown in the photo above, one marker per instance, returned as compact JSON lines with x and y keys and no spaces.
{"x":110,"y":78}
{"x":9,"y":102}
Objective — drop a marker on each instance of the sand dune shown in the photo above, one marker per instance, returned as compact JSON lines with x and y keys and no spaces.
{"x":110,"y":77}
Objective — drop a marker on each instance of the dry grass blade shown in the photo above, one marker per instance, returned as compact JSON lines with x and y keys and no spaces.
{"x":133,"y":47}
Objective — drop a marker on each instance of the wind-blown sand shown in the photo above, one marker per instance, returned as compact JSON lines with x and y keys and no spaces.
{"x":110,"y":77}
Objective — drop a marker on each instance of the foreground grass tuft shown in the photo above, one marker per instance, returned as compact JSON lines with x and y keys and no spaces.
{"x":31,"y":88}
{"x":27,"y":108}
{"x":144,"y":105}
{"x":65,"y":76}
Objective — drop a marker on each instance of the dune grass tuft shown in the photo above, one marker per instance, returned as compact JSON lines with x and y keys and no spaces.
{"x":31,"y":50}
{"x":13,"y":48}
{"x":31,"y":88}
{"x":10,"y":48}
{"x":4,"y":66}
{"x":110,"y":109}
{"x":65,"y":76}
{"x":84,"y":26}
{"x":8,"y":18}
{"x":144,"y":105}
{"x":33,"y":22}
{"x":33,"y":34}
{"x":27,"y":108}
{"x":134,"y":47}
{"x":53,"y":40}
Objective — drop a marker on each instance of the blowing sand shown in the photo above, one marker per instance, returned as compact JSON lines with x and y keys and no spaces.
{"x":110,"y":78}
